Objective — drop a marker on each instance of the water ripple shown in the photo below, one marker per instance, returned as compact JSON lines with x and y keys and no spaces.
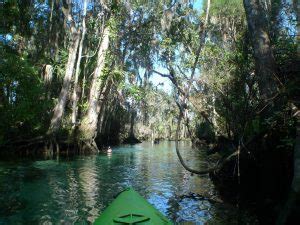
{"x":78,"y":190}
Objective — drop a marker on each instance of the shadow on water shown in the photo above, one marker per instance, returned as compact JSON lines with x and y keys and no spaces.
{"x":77,"y":189}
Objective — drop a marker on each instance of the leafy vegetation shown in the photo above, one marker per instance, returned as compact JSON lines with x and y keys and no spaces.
{"x":82,"y":73}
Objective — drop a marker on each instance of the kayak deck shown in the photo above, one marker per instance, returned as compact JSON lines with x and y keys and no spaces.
{"x":131,"y":208}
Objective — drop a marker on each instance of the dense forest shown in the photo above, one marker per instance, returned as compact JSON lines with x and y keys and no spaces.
{"x":79,"y":75}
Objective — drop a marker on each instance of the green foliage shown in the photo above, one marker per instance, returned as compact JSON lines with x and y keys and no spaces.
{"x":113,"y":24}
{"x":158,"y":112}
{"x":146,"y":35}
{"x":253,"y":127}
{"x":204,"y":131}
{"x":60,"y":64}
{"x":227,"y":7}
{"x":11,"y":13}
{"x":23,"y":98}
{"x":134,"y":91}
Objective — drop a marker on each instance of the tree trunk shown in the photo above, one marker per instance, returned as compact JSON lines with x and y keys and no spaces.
{"x":103,"y":107}
{"x":88,"y":128}
{"x":144,"y":103}
{"x":50,"y":25}
{"x":54,"y":30}
{"x":2,"y":96}
{"x":85,"y":68}
{"x":265,"y":67}
{"x":62,"y":99}
{"x":75,"y":89}
{"x":73,"y":47}
{"x":132,"y":112}
{"x":101,"y":119}
{"x":106,"y":120}
{"x":47,"y":76}
{"x":170,"y":132}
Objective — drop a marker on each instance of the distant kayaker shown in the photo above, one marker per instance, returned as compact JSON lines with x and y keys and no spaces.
{"x":109,"y":150}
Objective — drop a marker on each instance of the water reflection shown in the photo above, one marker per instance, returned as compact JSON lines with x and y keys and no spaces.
{"x":78,"y":190}
{"x":109,"y":155}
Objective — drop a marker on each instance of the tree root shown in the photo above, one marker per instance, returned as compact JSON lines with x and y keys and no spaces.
{"x":89,"y":146}
{"x":209,"y":170}
{"x":185,"y":166}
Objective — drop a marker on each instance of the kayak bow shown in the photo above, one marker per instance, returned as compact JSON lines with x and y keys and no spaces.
{"x":131,"y":208}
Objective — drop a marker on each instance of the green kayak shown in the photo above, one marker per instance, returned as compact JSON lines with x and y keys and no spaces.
{"x":131,"y":208}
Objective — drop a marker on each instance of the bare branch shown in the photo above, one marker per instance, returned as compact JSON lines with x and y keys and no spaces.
{"x":161,"y":74}
{"x":172,"y":79}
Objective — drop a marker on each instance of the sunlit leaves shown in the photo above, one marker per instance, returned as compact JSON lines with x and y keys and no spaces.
{"x":59,"y":65}
{"x":134,"y":91}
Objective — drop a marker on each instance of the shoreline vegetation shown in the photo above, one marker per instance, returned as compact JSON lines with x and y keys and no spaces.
{"x":78,"y":76}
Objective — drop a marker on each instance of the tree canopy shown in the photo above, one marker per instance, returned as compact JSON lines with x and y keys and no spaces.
{"x":81,"y":74}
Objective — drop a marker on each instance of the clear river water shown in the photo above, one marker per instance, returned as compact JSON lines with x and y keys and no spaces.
{"x":76,"y":190}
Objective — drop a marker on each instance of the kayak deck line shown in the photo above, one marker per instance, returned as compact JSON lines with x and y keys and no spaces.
{"x":131,"y":218}
{"x":129,"y":207}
